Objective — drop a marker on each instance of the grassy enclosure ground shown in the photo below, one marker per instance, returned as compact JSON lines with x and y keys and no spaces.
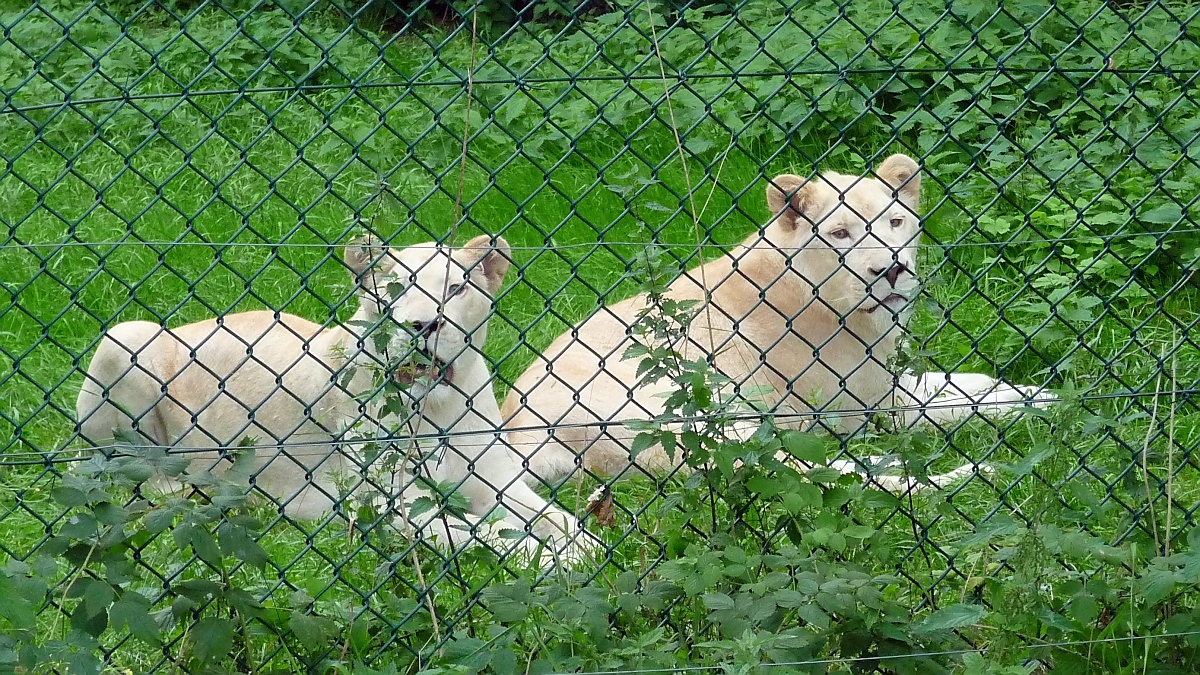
{"x":1060,"y":243}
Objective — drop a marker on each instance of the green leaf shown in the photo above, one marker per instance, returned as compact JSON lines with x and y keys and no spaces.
{"x":508,"y":602}
{"x":716,"y":601}
{"x":641,"y":442}
{"x":725,"y":459}
{"x":1168,"y":214}
{"x":667,"y":439}
{"x":236,"y":541}
{"x":310,"y":630}
{"x":823,"y":474}
{"x":998,"y":526}
{"x":469,"y":652}
{"x":173,"y":464}
{"x":766,"y":486}
{"x":98,"y":596}
{"x":657,"y":594}
{"x":197,"y":590}
{"x":300,"y":599}
{"x":212,"y":638}
{"x":803,"y":446}
{"x":698,"y":145}
{"x":761,"y":609}
{"x":137,"y":472}
{"x":181,"y":606}
{"x":1156,"y":585}
{"x":627,"y":582}
{"x":420,"y":506}
{"x":360,"y":634}
{"x":814,"y":615}
{"x":133,"y":610}
{"x":802,"y":495}
{"x":1083,"y":608}
{"x":635,"y":350}
{"x":14,"y":607}
{"x":92,"y":624}
{"x":503,"y":661}
{"x":787,"y":597}
{"x":160,"y":519}
{"x":201,"y":541}
{"x":859,"y":531}
{"x":954,"y":616}
{"x":69,"y":497}
{"x":244,"y":603}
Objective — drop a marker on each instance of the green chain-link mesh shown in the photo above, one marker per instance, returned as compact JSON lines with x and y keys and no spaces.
{"x":175,"y":161}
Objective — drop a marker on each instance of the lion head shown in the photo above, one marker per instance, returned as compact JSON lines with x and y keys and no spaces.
{"x":423,"y":307}
{"x":853,"y":239}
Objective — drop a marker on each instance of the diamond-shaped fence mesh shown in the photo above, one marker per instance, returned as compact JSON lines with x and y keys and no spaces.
{"x":929,"y":396}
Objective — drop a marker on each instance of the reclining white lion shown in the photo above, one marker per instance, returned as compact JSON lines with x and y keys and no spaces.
{"x":298,"y":388}
{"x":810,"y":310}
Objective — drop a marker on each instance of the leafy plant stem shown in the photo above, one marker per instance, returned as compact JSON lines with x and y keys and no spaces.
{"x":74,"y":578}
{"x":462,"y":166}
{"x":1153,"y":422}
{"x":1171,"y":445}
{"x":349,"y":631}
{"x":662,"y":70}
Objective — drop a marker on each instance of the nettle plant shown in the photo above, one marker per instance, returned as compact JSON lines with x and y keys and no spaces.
{"x":766,"y":563}
{"x":91,"y":585}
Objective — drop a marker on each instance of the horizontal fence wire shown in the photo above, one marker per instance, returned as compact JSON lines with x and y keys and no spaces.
{"x":70,"y":455}
{"x":10,"y":108}
{"x":554,"y":246}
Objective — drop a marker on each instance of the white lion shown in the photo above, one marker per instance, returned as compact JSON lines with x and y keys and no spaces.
{"x":810,"y":310}
{"x":302,"y":390}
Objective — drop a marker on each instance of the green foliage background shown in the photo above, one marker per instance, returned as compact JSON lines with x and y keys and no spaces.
{"x":157,"y":154}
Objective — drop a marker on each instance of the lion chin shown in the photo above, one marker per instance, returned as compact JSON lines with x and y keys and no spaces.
{"x":429,"y":371}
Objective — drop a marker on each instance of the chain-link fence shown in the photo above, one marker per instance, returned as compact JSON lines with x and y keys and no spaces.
{"x":934,"y":411}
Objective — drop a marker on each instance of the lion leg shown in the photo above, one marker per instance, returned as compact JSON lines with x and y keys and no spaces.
{"x":453,"y":533}
{"x":905,"y":484}
{"x":545,"y":458}
{"x":943,"y":398}
{"x":495,"y":479}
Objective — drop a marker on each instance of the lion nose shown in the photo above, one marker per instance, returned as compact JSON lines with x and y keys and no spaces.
{"x":892,"y":274}
{"x":423,"y":328}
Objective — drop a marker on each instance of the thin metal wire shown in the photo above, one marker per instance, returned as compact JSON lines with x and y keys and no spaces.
{"x":52,"y":455}
{"x":552,"y":246}
{"x":525,"y":82}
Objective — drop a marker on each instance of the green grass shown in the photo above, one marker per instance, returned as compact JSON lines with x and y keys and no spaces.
{"x":177,"y":209}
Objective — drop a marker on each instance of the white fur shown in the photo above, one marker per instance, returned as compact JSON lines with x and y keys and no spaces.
{"x":299,"y":390}
{"x":834,"y":272}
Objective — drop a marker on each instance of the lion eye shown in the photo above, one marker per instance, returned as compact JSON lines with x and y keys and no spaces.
{"x":841,"y":234}
{"x":897,"y":221}
{"x":456,"y":289}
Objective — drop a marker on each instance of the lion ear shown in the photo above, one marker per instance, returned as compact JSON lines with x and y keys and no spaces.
{"x":362,"y":256}
{"x":788,"y":197}
{"x":902,"y":174}
{"x":489,"y":257}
